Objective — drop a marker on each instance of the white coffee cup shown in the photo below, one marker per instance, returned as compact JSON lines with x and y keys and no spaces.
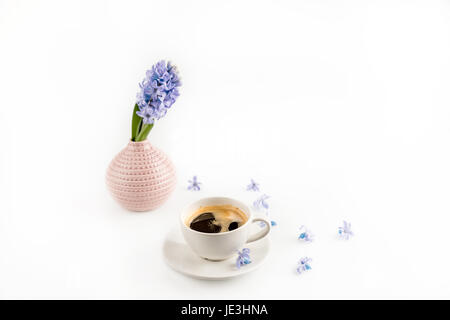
{"x":223,"y":245}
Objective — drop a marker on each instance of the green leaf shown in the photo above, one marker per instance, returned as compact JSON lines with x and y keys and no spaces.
{"x":144,"y":132}
{"x":135,"y":123}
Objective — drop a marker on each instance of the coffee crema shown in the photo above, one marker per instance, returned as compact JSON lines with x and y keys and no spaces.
{"x":215,"y":219}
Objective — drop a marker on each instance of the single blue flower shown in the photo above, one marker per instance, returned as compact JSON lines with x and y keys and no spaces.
{"x":261,"y":203}
{"x":194,"y":185}
{"x":305,"y":234}
{"x":253,"y":186}
{"x":243,"y":258}
{"x":345,"y":232}
{"x":159,"y":109}
{"x":304,"y":265}
{"x":147,"y":114}
{"x":263,"y":224}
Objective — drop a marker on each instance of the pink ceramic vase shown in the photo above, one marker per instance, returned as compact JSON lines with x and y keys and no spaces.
{"x":140,"y":177}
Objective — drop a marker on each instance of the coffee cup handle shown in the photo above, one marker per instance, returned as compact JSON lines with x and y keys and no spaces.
{"x":260,"y":234}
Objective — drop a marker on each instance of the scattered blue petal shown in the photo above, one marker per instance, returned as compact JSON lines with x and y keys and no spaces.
{"x":345,"y":232}
{"x":253,"y":186}
{"x":305,"y":234}
{"x":304,"y":265}
{"x":260,"y":203}
{"x":243,"y":258}
{"x":194,"y":185}
{"x":263,"y":224}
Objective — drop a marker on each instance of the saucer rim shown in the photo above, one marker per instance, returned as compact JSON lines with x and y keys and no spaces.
{"x":240,"y":272}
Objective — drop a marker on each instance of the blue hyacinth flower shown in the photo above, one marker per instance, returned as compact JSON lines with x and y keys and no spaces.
{"x":304,"y":265}
{"x":260,"y":203}
{"x":305,"y":234}
{"x":345,"y":232}
{"x":158,"y":91}
{"x":253,"y":186}
{"x":194,"y":184}
{"x":243,"y":258}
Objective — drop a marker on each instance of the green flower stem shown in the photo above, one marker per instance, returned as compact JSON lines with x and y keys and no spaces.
{"x":136,"y":123}
{"x":145,"y":130}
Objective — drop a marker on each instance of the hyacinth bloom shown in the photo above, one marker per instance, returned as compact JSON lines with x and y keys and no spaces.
{"x":305,"y":234}
{"x":272,"y":223}
{"x":304,"y":265}
{"x":260,"y":203}
{"x":253,"y":186}
{"x":345,"y":232}
{"x":243,"y":258}
{"x":146,"y":114}
{"x":194,"y":184}
{"x":158,"y":92}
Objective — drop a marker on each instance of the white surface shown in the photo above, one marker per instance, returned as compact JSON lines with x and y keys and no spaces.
{"x":181,"y":258}
{"x":340,"y":109}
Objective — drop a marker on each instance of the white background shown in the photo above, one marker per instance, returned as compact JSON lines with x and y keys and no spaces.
{"x":339,"y":109}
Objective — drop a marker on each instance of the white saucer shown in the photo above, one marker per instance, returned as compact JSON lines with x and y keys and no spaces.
{"x":181,"y":258}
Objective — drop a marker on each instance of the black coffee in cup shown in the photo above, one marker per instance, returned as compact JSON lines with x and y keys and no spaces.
{"x":215,"y":219}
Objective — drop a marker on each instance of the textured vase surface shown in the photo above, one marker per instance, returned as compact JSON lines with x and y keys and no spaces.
{"x":140,"y":177}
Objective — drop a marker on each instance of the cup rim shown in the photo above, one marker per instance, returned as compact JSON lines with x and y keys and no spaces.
{"x":247,"y":210}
